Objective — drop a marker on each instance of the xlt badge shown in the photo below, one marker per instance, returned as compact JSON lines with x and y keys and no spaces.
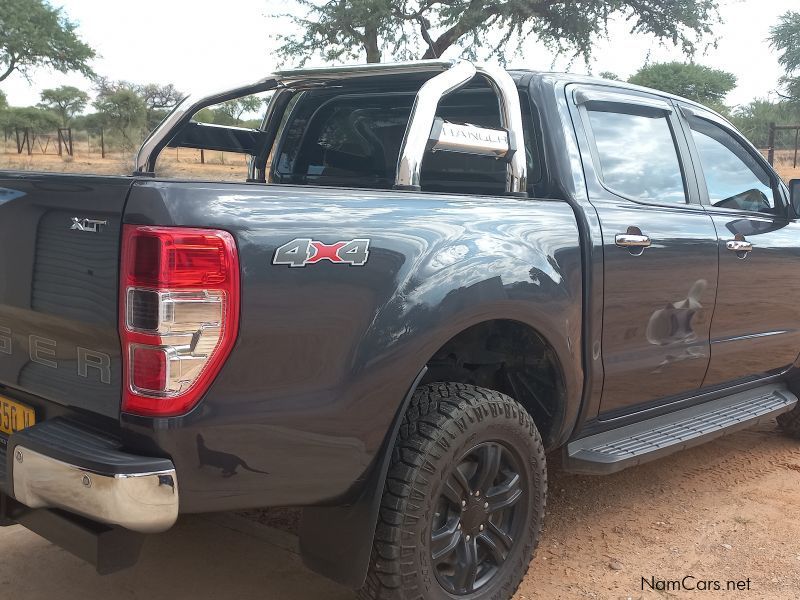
{"x":92,"y":225}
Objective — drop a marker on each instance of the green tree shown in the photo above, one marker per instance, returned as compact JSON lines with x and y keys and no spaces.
{"x":230,"y":112}
{"x":66,"y":101}
{"x":785,"y":38}
{"x":695,"y":82}
{"x":36,"y":119}
{"x":34,"y":34}
{"x":3,"y":101}
{"x":158,"y":100}
{"x":753,"y":120}
{"x":339,"y":30}
{"x":92,"y":122}
{"x":123,"y":111}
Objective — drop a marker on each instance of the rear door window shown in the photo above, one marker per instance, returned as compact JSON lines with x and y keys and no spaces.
{"x":637,"y":154}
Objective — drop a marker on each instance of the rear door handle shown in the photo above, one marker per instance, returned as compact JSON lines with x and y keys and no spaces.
{"x":739,"y":245}
{"x":630,"y":240}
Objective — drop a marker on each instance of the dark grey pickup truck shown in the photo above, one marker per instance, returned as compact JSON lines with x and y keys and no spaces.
{"x":434,"y":274}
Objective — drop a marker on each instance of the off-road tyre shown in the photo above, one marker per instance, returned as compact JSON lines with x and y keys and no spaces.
{"x":449,"y":427}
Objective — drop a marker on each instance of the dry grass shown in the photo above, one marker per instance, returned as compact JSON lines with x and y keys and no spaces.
{"x":177,"y":163}
{"x":784,"y":164}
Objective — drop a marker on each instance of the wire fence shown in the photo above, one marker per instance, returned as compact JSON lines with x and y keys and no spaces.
{"x":774,"y":130}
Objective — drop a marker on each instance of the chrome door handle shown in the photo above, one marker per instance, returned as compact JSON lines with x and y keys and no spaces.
{"x":739,"y":245}
{"x":629,"y":240}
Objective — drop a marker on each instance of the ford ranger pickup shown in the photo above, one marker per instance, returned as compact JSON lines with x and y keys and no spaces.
{"x":435,"y":275}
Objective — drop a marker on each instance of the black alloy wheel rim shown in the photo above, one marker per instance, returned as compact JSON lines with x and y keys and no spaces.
{"x":478,"y":518}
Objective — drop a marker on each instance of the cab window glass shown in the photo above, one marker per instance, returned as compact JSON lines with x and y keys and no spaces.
{"x":735,"y":179}
{"x":637,"y":154}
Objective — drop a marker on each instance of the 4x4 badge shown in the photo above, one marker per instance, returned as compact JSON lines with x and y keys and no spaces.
{"x":305,"y":251}
{"x":92,"y":225}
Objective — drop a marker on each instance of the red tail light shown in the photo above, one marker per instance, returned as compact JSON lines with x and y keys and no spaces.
{"x":179,"y":315}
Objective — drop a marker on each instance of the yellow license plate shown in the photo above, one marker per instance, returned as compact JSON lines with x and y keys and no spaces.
{"x":15,"y":416}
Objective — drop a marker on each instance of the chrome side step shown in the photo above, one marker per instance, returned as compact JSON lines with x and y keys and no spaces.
{"x":614,"y":450}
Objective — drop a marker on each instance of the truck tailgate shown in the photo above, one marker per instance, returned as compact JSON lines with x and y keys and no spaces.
{"x":59,"y":261}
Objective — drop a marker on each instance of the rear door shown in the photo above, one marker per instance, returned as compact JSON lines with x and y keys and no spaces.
{"x":60,"y":238}
{"x":756,"y":327}
{"x":659,"y":245}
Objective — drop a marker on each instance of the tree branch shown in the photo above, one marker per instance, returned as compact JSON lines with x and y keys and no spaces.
{"x":12,"y":64}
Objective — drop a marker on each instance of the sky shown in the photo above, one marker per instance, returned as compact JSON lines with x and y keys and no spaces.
{"x":197,"y":46}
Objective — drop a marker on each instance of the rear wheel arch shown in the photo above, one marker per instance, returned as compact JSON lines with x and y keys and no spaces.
{"x":511,"y":357}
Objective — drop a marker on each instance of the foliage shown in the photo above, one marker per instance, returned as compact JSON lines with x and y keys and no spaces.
{"x":36,"y":119}
{"x":609,"y":75}
{"x":66,"y":101}
{"x":123,"y":111}
{"x":234,"y":109}
{"x":92,"y":122}
{"x":339,"y":30}
{"x":157,"y":99}
{"x":690,"y":80}
{"x":231,"y":112}
{"x":753,"y":121}
{"x":34,"y":34}
{"x":785,"y":38}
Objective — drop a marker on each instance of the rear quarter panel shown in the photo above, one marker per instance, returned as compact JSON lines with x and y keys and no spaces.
{"x":327,"y":352}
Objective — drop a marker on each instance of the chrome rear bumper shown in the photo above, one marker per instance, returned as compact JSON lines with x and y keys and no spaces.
{"x":146,"y":502}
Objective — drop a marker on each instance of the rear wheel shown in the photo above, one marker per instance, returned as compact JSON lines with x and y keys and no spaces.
{"x":464,"y":499}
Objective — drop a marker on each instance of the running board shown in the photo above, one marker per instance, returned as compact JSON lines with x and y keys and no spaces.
{"x":631,"y":445}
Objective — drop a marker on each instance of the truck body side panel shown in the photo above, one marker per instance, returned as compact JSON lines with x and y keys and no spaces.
{"x":326,"y":352}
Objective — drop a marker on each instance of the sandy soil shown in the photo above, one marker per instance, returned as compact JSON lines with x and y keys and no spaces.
{"x":724,"y":512}
{"x":179,"y":163}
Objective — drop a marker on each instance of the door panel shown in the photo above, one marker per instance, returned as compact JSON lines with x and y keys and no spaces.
{"x":658,"y":297}
{"x":658,"y":305}
{"x":755,"y":329}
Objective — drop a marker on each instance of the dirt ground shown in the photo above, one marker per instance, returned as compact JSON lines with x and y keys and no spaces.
{"x":724,"y":512}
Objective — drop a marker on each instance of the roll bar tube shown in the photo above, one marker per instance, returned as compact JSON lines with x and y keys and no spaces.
{"x":416,"y":140}
{"x":418,"y":130}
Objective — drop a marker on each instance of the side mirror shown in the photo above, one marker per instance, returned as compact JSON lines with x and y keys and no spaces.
{"x":794,"y":196}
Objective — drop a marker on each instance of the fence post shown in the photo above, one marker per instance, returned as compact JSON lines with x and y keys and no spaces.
{"x":59,"y":142}
{"x":202,"y":157}
{"x":771,"y":145}
{"x":102,"y":144}
{"x":796,"y":140}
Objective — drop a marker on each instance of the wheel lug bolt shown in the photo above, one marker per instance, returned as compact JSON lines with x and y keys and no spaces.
{"x":485,"y":505}
{"x":480,"y":528}
{"x":463,"y":503}
{"x":459,"y":525}
{"x":468,"y":538}
{"x":477,"y":493}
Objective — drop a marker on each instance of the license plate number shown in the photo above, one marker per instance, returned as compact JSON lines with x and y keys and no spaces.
{"x":15,"y":416}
